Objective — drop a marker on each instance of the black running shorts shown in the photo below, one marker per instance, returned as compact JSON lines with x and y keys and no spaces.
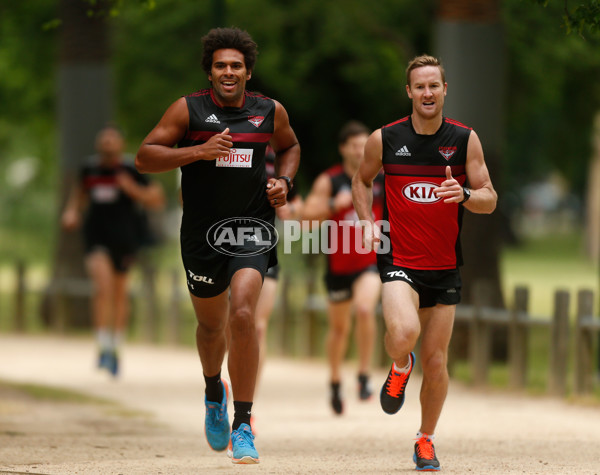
{"x":209,"y":277}
{"x":339,"y":286}
{"x":433,"y":286}
{"x":272,"y":272}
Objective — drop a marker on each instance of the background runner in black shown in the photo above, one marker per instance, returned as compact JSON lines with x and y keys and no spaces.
{"x":222,"y":133}
{"x":114,"y":196}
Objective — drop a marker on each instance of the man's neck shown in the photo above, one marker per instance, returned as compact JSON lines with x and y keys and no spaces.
{"x":349,"y":169}
{"x":426,"y":126}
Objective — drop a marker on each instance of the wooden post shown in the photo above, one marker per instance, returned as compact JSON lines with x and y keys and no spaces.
{"x":518,"y":340}
{"x":559,"y":346}
{"x":286,"y":316}
{"x":480,"y":336}
{"x":150,"y":318}
{"x":312,"y":332}
{"x":59,"y":304}
{"x":174,"y":333}
{"x":584,"y":343}
{"x":19,"y":316}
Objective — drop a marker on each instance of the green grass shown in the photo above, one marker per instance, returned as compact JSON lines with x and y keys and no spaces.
{"x":545,"y":265}
{"x":53,"y":394}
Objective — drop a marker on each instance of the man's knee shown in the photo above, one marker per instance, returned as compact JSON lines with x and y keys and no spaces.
{"x":434,"y":364}
{"x":364,"y":312}
{"x":242,"y":320}
{"x":404,"y":337}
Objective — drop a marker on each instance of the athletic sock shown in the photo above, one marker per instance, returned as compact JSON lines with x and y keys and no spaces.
{"x":214,"y":388}
{"x":242,"y":411}
{"x":428,"y":436}
{"x":405,"y":369}
{"x":335,"y":389}
{"x":363,"y":378}
{"x":117,"y":340}
{"x":104,"y":339}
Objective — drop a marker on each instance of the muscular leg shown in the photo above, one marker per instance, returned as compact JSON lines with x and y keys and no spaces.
{"x":264,"y":308}
{"x":366,"y":291}
{"x":211,"y":314}
{"x":400,"y":303}
{"x":437,"y":323}
{"x":243,"y":352}
{"x":337,"y":336}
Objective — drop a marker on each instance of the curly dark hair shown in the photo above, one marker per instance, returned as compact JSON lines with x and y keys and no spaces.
{"x":228,"y":38}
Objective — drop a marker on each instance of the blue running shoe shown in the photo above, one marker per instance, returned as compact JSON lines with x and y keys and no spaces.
{"x":113,"y":364}
{"x":242,"y":445}
{"x":103,"y":359}
{"x":216,"y":422}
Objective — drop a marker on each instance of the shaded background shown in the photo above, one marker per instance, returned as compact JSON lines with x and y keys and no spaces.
{"x":516,"y":73}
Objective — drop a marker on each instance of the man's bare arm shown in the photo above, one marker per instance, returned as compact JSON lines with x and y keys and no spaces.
{"x":156,"y":154}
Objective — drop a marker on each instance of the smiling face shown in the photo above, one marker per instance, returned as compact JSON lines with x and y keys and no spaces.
{"x":427,"y":90}
{"x":228,"y":76}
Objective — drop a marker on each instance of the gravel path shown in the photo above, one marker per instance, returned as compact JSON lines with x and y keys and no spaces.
{"x":156,"y":427}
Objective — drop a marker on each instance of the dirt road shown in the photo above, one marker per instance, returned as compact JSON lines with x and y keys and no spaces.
{"x":157,"y":425}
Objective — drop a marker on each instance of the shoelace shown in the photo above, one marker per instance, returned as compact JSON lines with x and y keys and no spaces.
{"x":425,"y":448}
{"x":243,"y":438}
{"x":215,"y":414}
{"x":396,"y":383}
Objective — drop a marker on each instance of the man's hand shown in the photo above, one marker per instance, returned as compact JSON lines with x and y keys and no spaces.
{"x":371,"y":235}
{"x":277,"y":192}
{"x":450,"y":190}
{"x":127,"y":184}
{"x":70,"y":219}
{"x":342,"y":200}
{"x":217,"y":146}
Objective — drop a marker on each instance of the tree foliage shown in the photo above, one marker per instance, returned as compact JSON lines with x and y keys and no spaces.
{"x":327,"y":61}
{"x":27,"y":132}
{"x":553,"y":94}
{"x":581,"y":18}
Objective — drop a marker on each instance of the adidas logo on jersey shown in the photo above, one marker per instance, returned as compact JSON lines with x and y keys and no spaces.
{"x":212,"y":119}
{"x":403,"y":152}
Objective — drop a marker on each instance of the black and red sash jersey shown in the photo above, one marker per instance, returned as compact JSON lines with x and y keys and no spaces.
{"x":233,"y":186}
{"x":424,"y":232}
{"x":343,"y":238}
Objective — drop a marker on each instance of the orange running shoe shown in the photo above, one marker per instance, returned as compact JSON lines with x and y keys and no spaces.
{"x":424,"y":455}
{"x":392,"y":392}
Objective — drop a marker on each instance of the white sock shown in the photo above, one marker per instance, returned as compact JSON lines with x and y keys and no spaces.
{"x":104,"y":338}
{"x":118,"y":338}
{"x":429,"y":436}
{"x":405,"y":369}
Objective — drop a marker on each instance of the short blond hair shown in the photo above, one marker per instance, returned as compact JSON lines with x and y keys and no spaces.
{"x":421,"y":61}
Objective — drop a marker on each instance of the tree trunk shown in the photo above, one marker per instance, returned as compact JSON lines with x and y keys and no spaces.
{"x":593,"y":197}
{"x":469,"y":41}
{"x":84,"y":107}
